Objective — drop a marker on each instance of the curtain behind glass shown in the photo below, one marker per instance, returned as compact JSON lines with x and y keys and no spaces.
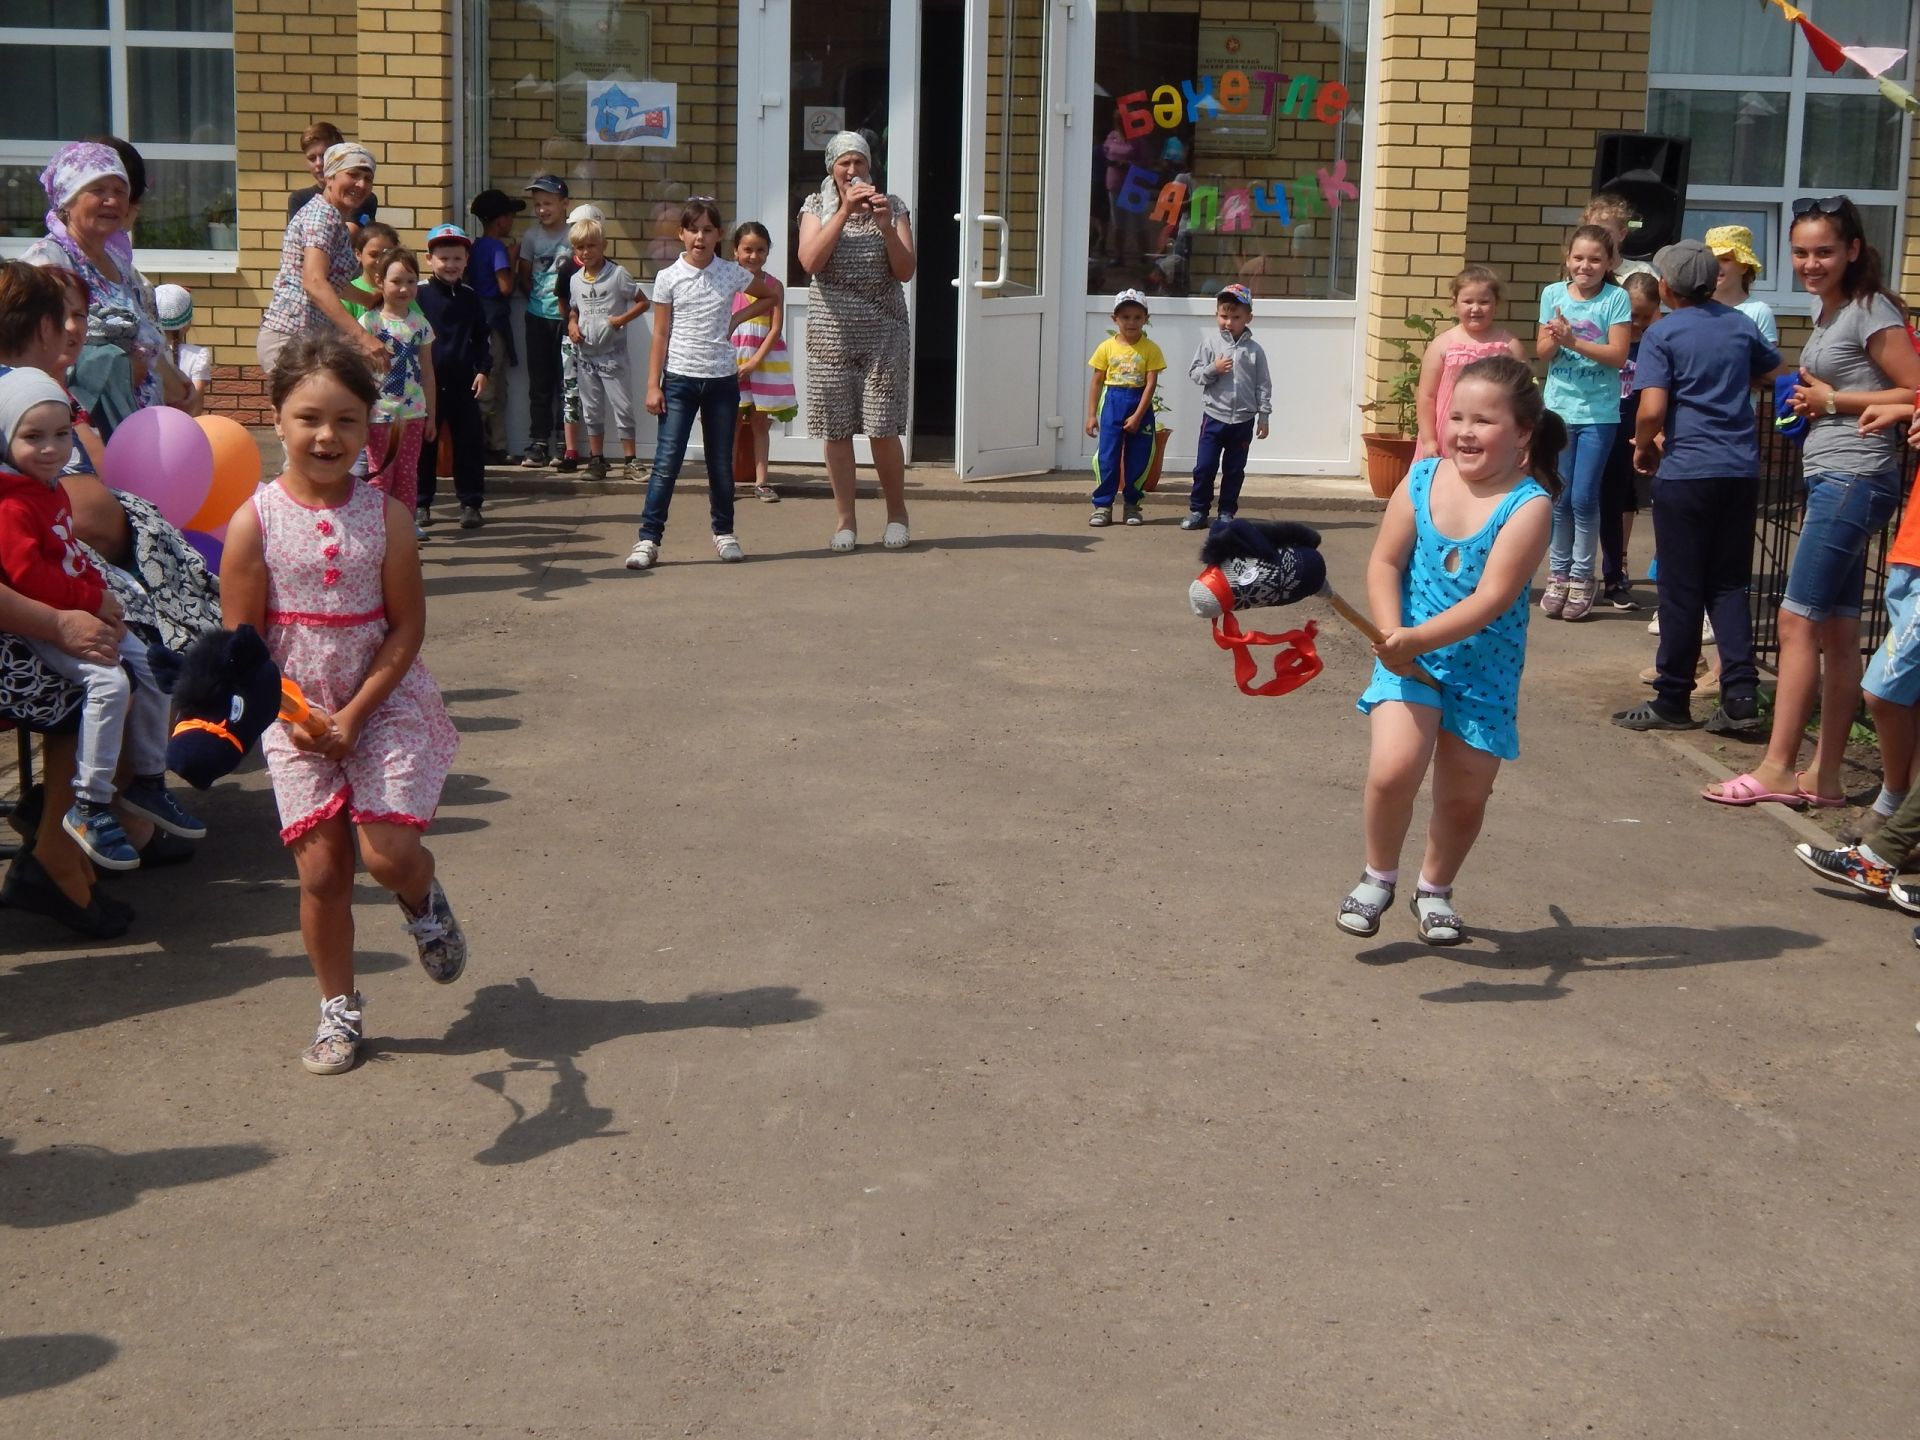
{"x":1722,"y":37}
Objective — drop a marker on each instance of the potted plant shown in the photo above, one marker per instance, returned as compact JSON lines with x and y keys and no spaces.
{"x":1390,"y":454}
{"x":1162,"y":433}
{"x":222,"y":219}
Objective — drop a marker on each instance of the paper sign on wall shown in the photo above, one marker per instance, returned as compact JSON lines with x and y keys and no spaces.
{"x":820,"y":123}
{"x":633,"y":112}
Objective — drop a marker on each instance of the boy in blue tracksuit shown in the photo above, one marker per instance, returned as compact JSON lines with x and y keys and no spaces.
{"x":1231,"y":368}
{"x":1126,"y":370}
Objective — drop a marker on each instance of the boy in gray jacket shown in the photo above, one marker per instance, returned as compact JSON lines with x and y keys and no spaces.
{"x":1232,"y":369}
{"x":601,"y":302}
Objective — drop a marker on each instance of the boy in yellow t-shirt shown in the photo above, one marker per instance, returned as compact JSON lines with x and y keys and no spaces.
{"x":1126,"y":370}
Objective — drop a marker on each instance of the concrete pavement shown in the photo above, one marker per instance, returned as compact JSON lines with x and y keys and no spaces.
{"x":905,"y":1002}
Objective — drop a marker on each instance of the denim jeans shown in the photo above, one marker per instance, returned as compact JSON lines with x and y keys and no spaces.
{"x":1829,"y":571}
{"x":716,"y":402}
{"x":1576,"y":512}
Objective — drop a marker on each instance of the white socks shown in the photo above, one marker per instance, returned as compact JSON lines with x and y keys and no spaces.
{"x":1427,"y":887}
{"x":1383,"y":877}
{"x":1887,"y":802}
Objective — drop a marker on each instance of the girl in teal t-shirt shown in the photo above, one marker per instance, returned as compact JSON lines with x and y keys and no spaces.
{"x":1585,"y":329}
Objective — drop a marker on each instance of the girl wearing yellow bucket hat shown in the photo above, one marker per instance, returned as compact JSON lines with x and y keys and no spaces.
{"x":1732,"y":246}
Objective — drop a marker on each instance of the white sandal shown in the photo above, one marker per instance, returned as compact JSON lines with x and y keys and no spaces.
{"x":1439,"y":925}
{"x":1360,"y":911}
{"x":843,"y":541}
{"x":896,"y":536}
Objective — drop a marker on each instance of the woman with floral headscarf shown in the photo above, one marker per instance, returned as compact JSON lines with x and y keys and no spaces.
{"x":317,"y":263}
{"x":89,"y":199}
{"x":857,"y":243}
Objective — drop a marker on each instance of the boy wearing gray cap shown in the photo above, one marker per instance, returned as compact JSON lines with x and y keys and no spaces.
{"x":1695,"y":435}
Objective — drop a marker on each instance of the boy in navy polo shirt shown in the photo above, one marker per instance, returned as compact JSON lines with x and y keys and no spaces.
{"x":462,"y":363}
{"x":1695,"y":435}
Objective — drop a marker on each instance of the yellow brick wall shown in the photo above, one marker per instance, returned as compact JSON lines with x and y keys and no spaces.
{"x":639,"y":188}
{"x":1551,"y":75}
{"x":1423,"y":166}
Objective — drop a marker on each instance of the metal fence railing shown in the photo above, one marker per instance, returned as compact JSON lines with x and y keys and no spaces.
{"x":1782,"y":506}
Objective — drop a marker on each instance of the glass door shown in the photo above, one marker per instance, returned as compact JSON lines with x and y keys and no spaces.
{"x":807,"y":72}
{"x":1016,"y":128}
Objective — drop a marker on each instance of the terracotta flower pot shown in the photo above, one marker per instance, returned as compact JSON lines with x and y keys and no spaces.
{"x":1389,"y":458}
{"x":1160,"y":439}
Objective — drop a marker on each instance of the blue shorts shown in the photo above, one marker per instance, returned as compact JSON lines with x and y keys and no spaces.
{"x":1893,"y":674}
{"x":1829,"y":572}
{"x":1465,"y":717}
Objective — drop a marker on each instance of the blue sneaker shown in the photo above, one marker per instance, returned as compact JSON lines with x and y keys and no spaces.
{"x":96,"y":830}
{"x":1196,"y":520}
{"x":148,"y":798}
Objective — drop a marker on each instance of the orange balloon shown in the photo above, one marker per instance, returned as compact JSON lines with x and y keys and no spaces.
{"x":236,"y":472}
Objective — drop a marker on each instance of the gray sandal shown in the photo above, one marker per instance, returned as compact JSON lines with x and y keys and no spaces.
{"x":1360,"y":912}
{"x":1439,"y":925}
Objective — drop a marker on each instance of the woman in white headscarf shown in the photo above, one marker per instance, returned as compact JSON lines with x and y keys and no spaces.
{"x":89,"y":201}
{"x":856,"y":242}
{"x":317,"y":264}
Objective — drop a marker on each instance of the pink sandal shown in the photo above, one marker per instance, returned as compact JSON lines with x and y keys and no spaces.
{"x":1822,"y":802}
{"x":1744,"y":790}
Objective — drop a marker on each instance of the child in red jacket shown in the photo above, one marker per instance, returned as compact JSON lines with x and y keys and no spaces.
{"x":41,"y":558}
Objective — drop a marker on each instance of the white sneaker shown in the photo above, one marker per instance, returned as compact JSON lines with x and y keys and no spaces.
{"x":643,"y":554}
{"x":843,"y":541}
{"x":1653,"y":626}
{"x":1706,"y":632}
{"x":896,"y":537}
{"x":728,"y":548}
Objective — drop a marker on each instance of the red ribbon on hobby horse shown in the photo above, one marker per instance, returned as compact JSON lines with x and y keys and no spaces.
{"x":1293,"y":666}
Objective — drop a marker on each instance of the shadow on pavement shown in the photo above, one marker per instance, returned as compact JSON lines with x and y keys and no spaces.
{"x":1563,"y":949}
{"x":40,"y":1362}
{"x":78,"y":992}
{"x":66,"y":1183}
{"x":541,"y":1033}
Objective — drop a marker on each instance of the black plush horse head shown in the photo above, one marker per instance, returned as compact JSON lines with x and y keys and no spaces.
{"x":1256,"y":563}
{"x":226,"y":692}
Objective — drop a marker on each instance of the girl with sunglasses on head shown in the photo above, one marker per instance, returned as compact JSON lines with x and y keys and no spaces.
{"x":1859,"y":355}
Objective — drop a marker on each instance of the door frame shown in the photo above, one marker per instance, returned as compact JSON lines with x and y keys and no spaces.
{"x":980,"y":309}
{"x":763,"y":118}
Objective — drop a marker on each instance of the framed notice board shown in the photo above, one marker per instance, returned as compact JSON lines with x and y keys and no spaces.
{"x":596,"y":40}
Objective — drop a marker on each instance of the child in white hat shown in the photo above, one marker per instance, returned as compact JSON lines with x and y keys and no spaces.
{"x":175,"y":304}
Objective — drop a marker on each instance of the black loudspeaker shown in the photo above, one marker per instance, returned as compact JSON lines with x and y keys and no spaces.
{"x":1649,"y":172}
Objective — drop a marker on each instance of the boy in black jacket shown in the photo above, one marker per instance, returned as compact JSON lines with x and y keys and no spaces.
{"x":462,"y":362}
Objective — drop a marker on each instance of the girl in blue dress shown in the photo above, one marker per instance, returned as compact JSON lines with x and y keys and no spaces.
{"x":1448,"y":587}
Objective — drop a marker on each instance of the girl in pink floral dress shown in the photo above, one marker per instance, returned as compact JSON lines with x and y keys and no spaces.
{"x":326,"y":568}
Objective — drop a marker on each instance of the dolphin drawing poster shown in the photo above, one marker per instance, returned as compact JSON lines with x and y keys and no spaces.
{"x":631,"y":112}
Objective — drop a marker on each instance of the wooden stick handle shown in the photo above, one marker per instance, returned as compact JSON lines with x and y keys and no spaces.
{"x":1367,"y":628}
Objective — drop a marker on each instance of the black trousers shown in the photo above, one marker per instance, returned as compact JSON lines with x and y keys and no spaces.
{"x":1704,"y":532}
{"x":544,"y":390}
{"x":459,"y":416}
{"x":1618,"y":499}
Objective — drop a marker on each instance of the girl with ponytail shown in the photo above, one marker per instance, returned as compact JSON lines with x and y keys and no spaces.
{"x":1448,"y":587}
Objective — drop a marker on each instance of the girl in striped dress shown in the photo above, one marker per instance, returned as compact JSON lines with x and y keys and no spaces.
{"x":766,"y":370}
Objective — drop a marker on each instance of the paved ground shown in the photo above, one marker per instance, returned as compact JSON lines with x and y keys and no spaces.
{"x":905,"y":1003}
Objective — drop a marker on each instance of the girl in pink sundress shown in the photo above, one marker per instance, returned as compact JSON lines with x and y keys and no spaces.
{"x":1475,"y":336}
{"x":326,"y":568}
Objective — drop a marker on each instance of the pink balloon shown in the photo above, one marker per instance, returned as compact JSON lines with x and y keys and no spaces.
{"x":160,"y":455}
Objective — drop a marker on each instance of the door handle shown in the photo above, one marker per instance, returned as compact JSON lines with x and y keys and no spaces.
{"x":1000,"y":279}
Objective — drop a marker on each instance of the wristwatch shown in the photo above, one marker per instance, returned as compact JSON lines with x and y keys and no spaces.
{"x":1833,"y":403}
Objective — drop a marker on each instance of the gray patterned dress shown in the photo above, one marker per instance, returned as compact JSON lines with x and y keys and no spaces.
{"x":859,"y":348}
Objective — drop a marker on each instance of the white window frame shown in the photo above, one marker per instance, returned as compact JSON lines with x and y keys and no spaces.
{"x":117,"y":40}
{"x":1806,"y":77}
